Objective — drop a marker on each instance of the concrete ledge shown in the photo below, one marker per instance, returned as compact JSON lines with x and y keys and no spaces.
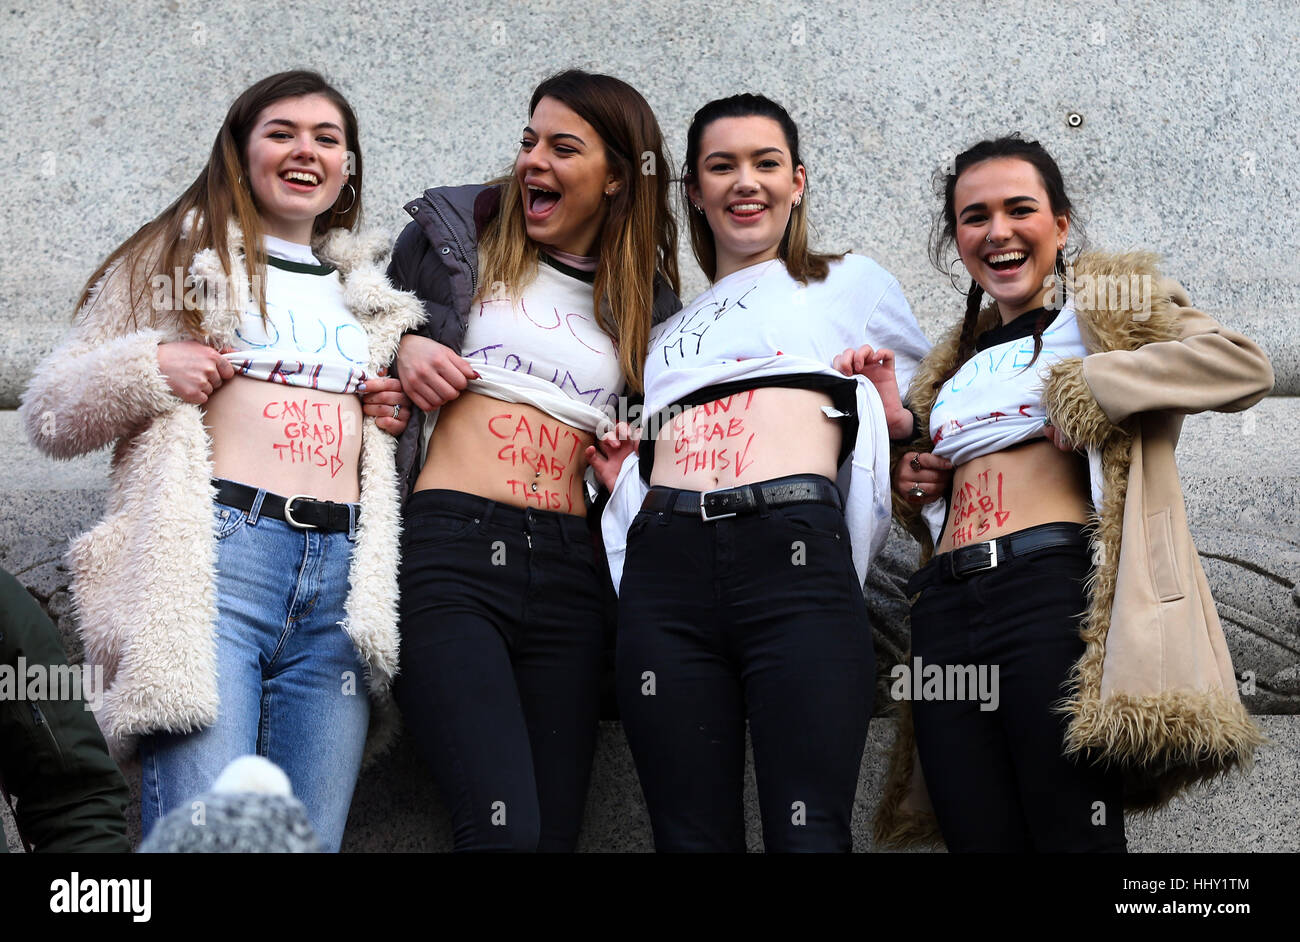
{"x":397,"y":809}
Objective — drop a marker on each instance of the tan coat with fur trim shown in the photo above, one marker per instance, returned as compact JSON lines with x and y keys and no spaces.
{"x":1154,"y":690}
{"x":144,"y":577}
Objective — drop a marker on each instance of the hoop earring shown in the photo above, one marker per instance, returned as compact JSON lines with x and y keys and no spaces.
{"x":352,"y":203}
{"x":952,"y":275}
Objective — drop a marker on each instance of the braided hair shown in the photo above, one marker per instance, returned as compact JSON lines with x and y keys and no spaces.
{"x":943,"y":233}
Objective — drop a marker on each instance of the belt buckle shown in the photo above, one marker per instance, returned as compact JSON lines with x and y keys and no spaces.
{"x":991,"y":563}
{"x":288,"y":516}
{"x":704,"y":514}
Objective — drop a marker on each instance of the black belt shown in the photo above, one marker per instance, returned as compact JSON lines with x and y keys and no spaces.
{"x":965,"y":562}
{"x":305,"y":513}
{"x":747,"y":498}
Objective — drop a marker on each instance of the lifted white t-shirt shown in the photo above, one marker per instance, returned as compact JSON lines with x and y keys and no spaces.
{"x":759,"y":323}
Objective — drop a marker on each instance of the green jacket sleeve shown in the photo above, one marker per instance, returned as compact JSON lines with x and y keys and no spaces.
{"x":69,"y":794}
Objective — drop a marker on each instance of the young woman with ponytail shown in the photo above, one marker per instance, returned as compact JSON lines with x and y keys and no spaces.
{"x":1059,"y":405}
{"x":739,"y":560}
{"x":541,"y":290}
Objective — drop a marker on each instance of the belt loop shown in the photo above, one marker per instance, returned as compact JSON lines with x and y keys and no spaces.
{"x":255,"y":512}
{"x":667,"y":512}
{"x":759,"y":502}
{"x":488,"y":507}
{"x":352,"y":523}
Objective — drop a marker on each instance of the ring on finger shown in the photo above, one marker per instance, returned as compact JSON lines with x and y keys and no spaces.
{"x":917,"y":491}
{"x":397,"y":411}
{"x":915,"y":462}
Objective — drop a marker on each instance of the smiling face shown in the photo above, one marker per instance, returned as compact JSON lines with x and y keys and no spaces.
{"x":747,"y":185}
{"x":563,"y":176}
{"x":296,"y":155}
{"x":1007,"y":234}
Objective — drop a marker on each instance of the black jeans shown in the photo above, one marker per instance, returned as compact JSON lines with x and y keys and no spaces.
{"x":503,"y":619}
{"x":997,"y":778}
{"x":758,"y":616}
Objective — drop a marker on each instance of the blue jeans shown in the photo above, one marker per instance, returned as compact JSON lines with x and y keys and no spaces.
{"x":290,"y":683}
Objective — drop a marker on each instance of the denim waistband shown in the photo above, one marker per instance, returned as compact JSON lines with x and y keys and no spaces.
{"x":491,"y":512}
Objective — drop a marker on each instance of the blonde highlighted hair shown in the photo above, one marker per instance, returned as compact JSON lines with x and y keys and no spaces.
{"x":638,"y":240}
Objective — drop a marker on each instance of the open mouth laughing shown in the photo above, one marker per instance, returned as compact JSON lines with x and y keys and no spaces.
{"x":303,"y":180}
{"x":1008,"y":262}
{"x":541,"y":200}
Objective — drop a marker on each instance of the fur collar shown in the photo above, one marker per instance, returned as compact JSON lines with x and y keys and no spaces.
{"x":223,"y":297}
{"x":1118,"y":303}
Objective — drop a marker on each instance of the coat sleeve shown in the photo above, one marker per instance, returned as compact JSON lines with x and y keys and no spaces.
{"x":414,"y":267}
{"x":102,"y":382}
{"x":1208,"y":367}
{"x":71,"y":796}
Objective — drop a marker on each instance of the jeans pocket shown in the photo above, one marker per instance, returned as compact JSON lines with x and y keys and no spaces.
{"x":226,"y":520}
{"x":639,"y":523}
{"x":435,"y":529}
{"x":819,"y":520}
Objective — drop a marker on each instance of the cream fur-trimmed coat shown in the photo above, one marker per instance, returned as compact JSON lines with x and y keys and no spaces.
{"x":143,"y":579}
{"x":1154,"y":690}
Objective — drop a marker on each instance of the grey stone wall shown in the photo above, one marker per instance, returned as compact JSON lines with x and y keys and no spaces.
{"x":1188,"y":145}
{"x":1188,"y":141}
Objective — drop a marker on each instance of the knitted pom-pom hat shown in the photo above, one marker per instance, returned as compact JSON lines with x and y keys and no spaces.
{"x":250,"y":809}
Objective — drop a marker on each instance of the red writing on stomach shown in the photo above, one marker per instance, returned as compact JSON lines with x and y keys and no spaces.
{"x":533,"y":459}
{"x":977,"y":498}
{"x":311,"y":433}
{"x":713,"y":437}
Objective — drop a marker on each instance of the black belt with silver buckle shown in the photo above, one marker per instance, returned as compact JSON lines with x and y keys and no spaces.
{"x":299,"y":510}
{"x":964,"y":562}
{"x":747,"y":498}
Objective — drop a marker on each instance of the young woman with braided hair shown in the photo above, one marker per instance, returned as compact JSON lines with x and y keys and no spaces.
{"x":1059,"y":406}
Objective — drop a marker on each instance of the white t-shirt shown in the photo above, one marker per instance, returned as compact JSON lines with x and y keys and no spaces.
{"x":996,"y":400}
{"x":309,"y":337}
{"x":549,"y":332}
{"x":543,"y":348}
{"x":758,"y":323}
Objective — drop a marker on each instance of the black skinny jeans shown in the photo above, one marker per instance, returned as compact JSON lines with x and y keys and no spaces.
{"x":756,"y":617}
{"x":997,"y":778}
{"x":503,"y":620}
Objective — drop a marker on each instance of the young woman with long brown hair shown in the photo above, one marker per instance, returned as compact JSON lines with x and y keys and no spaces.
{"x":541,"y":290}
{"x":241,"y":591}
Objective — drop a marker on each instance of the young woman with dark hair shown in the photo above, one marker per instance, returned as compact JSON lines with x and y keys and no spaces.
{"x":1059,"y":405}
{"x":541,"y":290}
{"x":741,"y":562}
{"x":242,"y":589}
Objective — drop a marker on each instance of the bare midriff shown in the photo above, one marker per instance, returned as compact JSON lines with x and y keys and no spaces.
{"x":747,"y":437}
{"x":998,"y":494}
{"x":286,"y":439}
{"x":508,"y":452}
